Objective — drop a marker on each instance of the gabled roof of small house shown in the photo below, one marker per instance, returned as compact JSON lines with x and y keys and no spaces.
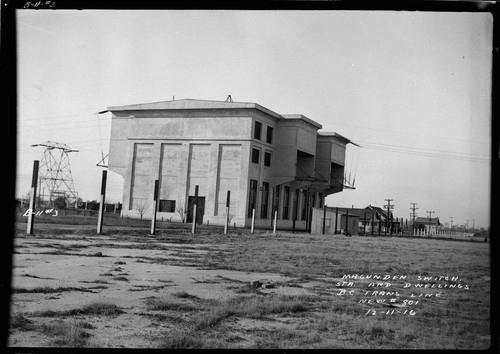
{"x":380,"y":211}
{"x":427,"y":221}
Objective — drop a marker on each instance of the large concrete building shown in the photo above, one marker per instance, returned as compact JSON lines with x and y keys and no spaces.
{"x":268,"y":161}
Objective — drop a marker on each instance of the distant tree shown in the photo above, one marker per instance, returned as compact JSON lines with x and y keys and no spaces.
{"x":93,"y":205}
{"x":60,"y":203}
{"x":182,"y":213}
{"x":142,"y":207}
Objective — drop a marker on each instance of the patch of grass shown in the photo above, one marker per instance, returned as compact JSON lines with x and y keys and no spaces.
{"x":72,"y":334}
{"x":284,"y":338}
{"x":36,"y":277}
{"x":101,"y":308}
{"x":96,"y":309}
{"x":148,"y":287}
{"x":48,"y":290}
{"x":98,"y":281}
{"x":248,"y":306}
{"x":21,"y":323}
{"x":120,"y":279}
{"x":179,"y":339}
{"x":166,"y":305}
{"x":184,"y":295}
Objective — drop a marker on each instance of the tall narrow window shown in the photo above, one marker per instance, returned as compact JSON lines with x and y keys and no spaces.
{"x":286,"y":202}
{"x":252,"y":199}
{"x":265,"y":200}
{"x":269,"y":135}
{"x":255,"y":155}
{"x":267,"y":159}
{"x":320,"y":200}
{"x":257,"y":133}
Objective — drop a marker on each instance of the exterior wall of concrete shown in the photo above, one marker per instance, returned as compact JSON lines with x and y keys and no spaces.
{"x":212,"y":148}
{"x":182,"y":152}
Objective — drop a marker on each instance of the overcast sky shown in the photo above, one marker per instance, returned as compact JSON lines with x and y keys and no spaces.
{"x":411,"y":88}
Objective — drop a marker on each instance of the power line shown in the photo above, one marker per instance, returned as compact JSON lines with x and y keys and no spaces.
{"x":59,"y":117}
{"x":40,"y":123}
{"x":371,"y":128}
{"x":415,"y":153}
{"x":423,"y":149}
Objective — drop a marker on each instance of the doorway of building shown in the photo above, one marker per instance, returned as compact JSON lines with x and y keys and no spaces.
{"x":200,"y":210}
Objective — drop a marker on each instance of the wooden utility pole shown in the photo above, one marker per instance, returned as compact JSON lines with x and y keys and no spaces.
{"x":430,"y":219}
{"x":413,"y":214}
{"x":31,"y":216}
{"x":389,"y":207}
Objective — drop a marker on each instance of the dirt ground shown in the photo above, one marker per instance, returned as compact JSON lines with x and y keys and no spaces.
{"x":125,"y":289}
{"x":106,"y":269}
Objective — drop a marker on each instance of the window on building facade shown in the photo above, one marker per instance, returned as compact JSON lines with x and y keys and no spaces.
{"x":252,"y":200}
{"x":255,"y":155}
{"x":257,"y":133}
{"x":320,"y":200}
{"x":286,"y":202}
{"x":269,"y":135}
{"x":166,"y":206}
{"x":267,"y":159}
{"x":265,"y":200}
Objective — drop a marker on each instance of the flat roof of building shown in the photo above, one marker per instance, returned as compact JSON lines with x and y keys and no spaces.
{"x":303,"y":118}
{"x":335,"y":135}
{"x":192,"y":104}
{"x":208,"y":104}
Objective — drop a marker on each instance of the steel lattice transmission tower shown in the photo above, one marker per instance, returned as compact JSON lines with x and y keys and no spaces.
{"x":55,"y":173}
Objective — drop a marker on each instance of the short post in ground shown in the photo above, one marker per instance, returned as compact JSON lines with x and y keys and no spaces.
{"x":193,"y":228}
{"x":228,"y":200}
{"x":253,"y":221}
{"x":31,"y":215}
{"x":324,"y":220}
{"x":155,"y":206}
{"x":101,"y":202}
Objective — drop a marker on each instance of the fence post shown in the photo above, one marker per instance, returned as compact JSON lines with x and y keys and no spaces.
{"x":275,"y":221}
{"x":155,"y":205}
{"x":324,"y":219}
{"x":101,"y":204}
{"x":226,"y":224}
{"x":336,"y":219}
{"x":193,"y":228}
{"x":253,"y":221}
{"x":34,"y":180}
